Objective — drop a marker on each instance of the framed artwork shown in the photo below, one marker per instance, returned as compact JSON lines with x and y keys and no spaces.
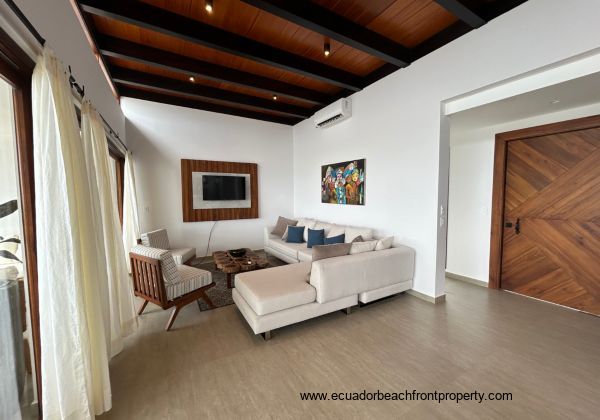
{"x":344,"y":183}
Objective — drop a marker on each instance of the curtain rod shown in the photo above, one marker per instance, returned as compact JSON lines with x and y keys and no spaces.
{"x":80,"y":90}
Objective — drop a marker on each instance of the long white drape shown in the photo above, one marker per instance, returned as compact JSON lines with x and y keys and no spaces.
{"x":121,"y":309}
{"x":131,"y":227}
{"x":71,"y":261}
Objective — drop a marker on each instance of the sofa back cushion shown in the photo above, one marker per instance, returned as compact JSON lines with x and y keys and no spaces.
{"x":156,"y":239}
{"x":295,"y":234}
{"x":315,"y":237}
{"x":352,"y":232}
{"x":281,"y":226}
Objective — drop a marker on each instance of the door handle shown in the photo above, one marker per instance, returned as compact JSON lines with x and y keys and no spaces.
{"x":517,"y":226}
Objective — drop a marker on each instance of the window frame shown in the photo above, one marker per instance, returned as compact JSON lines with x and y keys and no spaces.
{"x":16,"y":68}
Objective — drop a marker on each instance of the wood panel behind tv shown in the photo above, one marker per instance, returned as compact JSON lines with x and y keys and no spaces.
{"x":202,"y":215}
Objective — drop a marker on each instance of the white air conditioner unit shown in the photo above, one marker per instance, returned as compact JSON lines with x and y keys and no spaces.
{"x":336,"y":112}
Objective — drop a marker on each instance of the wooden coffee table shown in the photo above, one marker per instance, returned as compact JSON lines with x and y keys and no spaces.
{"x":230,"y":265}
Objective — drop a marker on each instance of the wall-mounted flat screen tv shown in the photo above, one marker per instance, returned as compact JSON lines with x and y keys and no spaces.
{"x":223,"y":187}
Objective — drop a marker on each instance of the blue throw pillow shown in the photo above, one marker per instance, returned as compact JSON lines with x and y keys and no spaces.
{"x":315,"y":237}
{"x":295,"y":234}
{"x":335,"y":239}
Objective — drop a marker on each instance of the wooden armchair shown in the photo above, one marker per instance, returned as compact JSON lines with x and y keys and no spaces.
{"x":157,"y":279}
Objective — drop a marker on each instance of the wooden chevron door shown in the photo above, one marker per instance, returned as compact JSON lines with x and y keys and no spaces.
{"x":551,"y":232}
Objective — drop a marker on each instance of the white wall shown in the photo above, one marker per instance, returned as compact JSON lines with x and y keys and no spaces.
{"x":56,"y":21}
{"x":396,"y":125}
{"x":161,"y":135}
{"x":471,"y":179}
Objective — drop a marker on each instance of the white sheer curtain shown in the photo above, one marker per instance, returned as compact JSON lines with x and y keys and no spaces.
{"x":71,"y":261}
{"x":121,"y":311}
{"x":131,"y":227}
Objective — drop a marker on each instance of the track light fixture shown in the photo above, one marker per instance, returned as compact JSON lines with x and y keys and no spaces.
{"x":327,"y":49}
{"x":208,"y":5}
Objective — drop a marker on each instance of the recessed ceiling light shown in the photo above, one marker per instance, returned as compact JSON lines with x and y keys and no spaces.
{"x":192,"y":79}
{"x":208,"y":6}
{"x":554,"y":101}
{"x":327,"y":49}
{"x":274,"y":97}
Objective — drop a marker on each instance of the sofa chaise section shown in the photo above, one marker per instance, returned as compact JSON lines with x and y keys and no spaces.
{"x":276,"y":297}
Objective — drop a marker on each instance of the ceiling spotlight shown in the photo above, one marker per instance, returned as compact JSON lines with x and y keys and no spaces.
{"x":554,"y":101}
{"x":192,"y":79}
{"x":327,"y":49}
{"x":208,"y":6}
{"x":274,"y":97}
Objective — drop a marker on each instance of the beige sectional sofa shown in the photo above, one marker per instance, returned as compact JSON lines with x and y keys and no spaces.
{"x":280,"y":296}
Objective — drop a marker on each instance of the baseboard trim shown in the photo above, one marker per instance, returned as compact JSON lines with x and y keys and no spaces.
{"x":466,"y":279}
{"x":427,"y":298}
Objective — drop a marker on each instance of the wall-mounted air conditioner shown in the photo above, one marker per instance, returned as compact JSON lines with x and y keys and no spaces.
{"x":332,"y":114}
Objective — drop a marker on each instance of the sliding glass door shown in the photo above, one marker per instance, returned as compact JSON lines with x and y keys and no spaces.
{"x":19,"y":317}
{"x":16,"y":347}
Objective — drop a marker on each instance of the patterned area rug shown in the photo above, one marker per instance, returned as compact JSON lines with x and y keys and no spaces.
{"x":220,"y":294}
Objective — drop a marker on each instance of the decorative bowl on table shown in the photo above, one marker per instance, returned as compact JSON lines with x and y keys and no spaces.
{"x":237,"y":253}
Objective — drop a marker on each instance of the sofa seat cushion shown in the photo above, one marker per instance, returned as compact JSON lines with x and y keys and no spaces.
{"x":274,"y":289}
{"x":286,"y":248}
{"x":190,"y":279}
{"x":305,"y":254}
{"x":181,"y":255}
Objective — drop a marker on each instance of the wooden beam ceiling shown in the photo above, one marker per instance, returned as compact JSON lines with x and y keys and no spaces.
{"x":168,"y":23}
{"x":247,"y":53}
{"x":114,"y":47}
{"x":168,"y":85}
{"x":204,"y":106}
{"x":464,"y":13}
{"x":323,"y":21}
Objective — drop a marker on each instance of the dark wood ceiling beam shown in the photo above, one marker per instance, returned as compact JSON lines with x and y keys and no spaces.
{"x":324,"y":21}
{"x":204,"y":106}
{"x":458,"y":9}
{"x":131,"y":51}
{"x":167,"y":85}
{"x":181,"y":27}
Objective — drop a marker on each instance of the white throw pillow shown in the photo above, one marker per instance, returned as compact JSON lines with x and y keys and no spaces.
{"x":352,"y":232}
{"x":325,"y":226}
{"x":360,"y":247}
{"x":308,"y":224}
{"x":336,"y":230}
{"x":384,"y":243}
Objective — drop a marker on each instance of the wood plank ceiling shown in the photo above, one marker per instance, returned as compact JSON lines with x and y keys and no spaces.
{"x":265,"y":59}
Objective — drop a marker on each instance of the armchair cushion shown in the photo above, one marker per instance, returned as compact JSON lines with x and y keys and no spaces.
{"x":190,"y":279}
{"x":182,"y":255}
{"x":167,"y":263}
{"x":156,"y":239}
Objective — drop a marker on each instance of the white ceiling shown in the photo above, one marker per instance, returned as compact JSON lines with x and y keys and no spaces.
{"x":572,"y":94}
